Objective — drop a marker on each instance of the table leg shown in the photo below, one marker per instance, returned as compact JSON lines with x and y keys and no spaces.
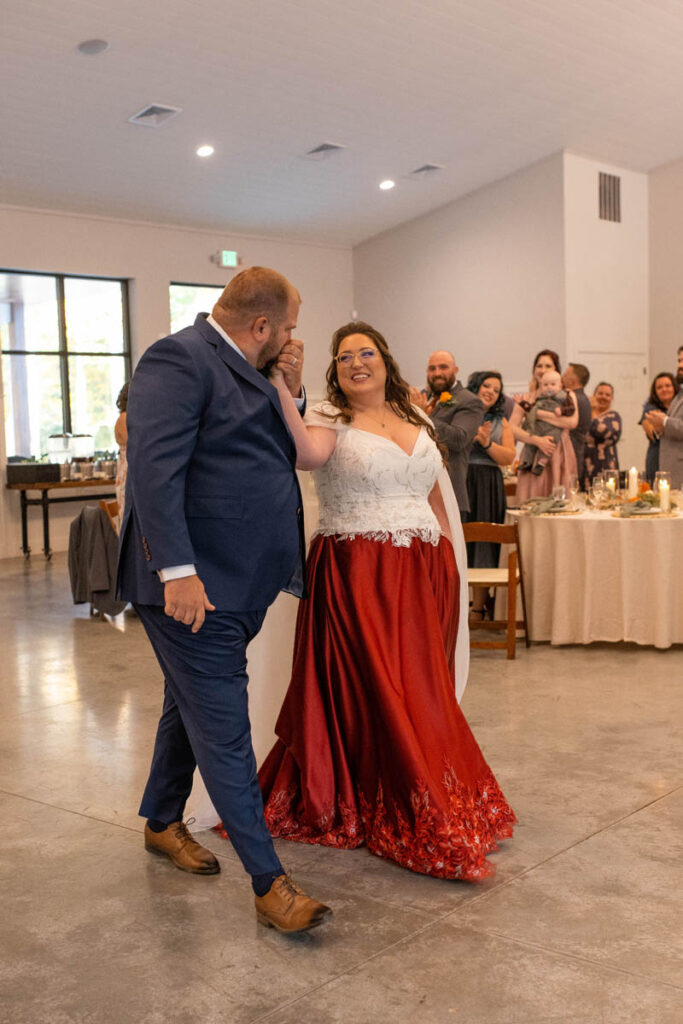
{"x":24,"y":525}
{"x":46,"y":525}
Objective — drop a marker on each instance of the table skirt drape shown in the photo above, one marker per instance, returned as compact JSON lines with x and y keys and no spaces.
{"x":593,"y":577}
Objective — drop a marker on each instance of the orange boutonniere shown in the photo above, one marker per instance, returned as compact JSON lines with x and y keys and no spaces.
{"x":446,"y":398}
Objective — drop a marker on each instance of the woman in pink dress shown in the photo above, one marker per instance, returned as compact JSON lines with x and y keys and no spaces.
{"x":562,"y":466}
{"x":373,"y":747}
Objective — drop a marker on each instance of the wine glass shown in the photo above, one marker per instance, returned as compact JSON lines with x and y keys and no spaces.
{"x":573,"y":488}
{"x":558,"y":493}
{"x":598,"y":488}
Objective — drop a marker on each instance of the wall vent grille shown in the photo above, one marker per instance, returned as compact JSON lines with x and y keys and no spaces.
{"x":426,"y":171}
{"x":154,"y":115}
{"x":323,"y":151}
{"x":609,"y":197}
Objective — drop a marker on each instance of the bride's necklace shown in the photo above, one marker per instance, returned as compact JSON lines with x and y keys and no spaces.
{"x":382,"y":422}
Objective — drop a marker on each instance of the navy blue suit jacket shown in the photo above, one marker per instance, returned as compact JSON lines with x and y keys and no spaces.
{"x":211,"y":476}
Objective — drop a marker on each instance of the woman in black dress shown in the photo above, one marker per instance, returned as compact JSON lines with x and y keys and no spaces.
{"x":493,"y":448}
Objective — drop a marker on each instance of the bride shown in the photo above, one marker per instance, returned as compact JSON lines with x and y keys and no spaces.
{"x":373,"y":748}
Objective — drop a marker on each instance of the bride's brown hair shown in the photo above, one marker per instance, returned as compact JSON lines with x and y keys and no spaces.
{"x":396,"y":390}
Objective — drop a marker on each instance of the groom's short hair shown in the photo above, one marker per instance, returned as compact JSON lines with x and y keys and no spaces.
{"x":257,"y":291}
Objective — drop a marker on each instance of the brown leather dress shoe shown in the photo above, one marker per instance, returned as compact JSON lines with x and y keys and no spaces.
{"x":176,"y":843}
{"x":288,"y":909}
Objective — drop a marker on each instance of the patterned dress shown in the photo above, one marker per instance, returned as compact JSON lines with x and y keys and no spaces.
{"x":601,"y":444}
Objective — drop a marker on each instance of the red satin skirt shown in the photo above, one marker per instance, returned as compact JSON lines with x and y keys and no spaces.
{"x":373,"y":747}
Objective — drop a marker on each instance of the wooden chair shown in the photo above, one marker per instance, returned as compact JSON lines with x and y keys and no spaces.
{"x":495,"y":533}
{"x":111,"y":508}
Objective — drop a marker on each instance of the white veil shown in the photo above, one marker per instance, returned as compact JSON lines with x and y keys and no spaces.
{"x":462,"y":645}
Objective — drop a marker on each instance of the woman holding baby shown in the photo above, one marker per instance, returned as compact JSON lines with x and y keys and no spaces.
{"x":542,"y":419}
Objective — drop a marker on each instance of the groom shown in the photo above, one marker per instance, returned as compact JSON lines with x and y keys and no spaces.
{"x":212,"y":531}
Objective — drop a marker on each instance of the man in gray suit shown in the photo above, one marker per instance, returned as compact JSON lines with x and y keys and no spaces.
{"x":457,"y":415}
{"x":669,"y":426}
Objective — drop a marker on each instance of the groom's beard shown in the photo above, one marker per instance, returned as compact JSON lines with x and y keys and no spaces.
{"x":267,"y":367}
{"x":269,"y":355}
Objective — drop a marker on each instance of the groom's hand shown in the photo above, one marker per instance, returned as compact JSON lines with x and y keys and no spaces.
{"x":290,"y":363}
{"x":187,"y":601}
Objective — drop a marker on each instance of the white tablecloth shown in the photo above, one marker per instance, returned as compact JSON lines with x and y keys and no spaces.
{"x":594,"y":577}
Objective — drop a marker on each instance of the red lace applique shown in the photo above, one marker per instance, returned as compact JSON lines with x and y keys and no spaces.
{"x":450,"y":844}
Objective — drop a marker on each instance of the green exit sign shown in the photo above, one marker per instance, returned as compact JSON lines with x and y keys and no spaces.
{"x":228,"y":258}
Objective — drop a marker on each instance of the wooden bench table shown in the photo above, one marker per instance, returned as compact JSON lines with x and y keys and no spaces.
{"x":45,"y":501}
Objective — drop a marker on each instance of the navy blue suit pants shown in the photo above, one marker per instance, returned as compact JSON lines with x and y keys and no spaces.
{"x":205,"y":722}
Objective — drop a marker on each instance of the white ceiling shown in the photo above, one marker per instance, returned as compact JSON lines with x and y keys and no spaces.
{"x":482,"y":86}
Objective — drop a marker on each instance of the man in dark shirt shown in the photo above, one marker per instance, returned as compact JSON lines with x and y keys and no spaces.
{"x":575,"y":378}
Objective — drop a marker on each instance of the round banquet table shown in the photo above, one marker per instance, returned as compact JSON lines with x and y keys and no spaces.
{"x":592,"y":576}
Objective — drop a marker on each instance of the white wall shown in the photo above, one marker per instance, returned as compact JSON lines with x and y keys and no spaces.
{"x":483,"y":276}
{"x":666,"y":265}
{"x":152,"y":256}
{"x":607,"y":291}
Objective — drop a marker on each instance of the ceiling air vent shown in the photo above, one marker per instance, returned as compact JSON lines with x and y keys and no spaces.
{"x":609,"y":197}
{"x":154,"y":115}
{"x":324,"y":151}
{"x":425,"y":171}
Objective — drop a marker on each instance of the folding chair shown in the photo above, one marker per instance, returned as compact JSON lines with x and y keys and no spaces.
{"x":495,"y":533}
{"x":111,"y":508}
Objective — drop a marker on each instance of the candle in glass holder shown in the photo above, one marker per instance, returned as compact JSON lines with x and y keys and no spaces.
{"x":611,"y":484}
{"x":665,"y":495}
{"x":633,"y":482}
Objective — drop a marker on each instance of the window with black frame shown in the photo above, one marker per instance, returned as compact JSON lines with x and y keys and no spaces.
{"x":187,"y":300}
{"x":65,"y":343}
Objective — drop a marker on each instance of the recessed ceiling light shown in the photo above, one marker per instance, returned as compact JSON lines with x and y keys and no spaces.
{"x":205,"y":151}
{"x":386,"y":185}
{"x":91,"y":47}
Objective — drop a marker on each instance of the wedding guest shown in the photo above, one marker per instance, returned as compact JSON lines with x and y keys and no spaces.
{"x":553,"y":399}
{"x":603,"y":434}
{"x":373,"y":747}
{"x":493,"y":448}
{"x":562,"y":466}
{"x":456,"y":414}
{"x":669,"y":426}
{"x":679,"y":369}
{"x":662,"y":393}
{"x":544,"y":361}
{"x":575,"y":377}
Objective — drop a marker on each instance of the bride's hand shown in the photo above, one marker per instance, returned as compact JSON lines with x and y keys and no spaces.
{"x":289,"y":365}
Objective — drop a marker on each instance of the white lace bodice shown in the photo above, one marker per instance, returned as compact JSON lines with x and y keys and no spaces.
{"x":370,"y":487}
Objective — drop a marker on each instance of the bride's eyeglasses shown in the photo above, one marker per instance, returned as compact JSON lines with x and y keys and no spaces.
{"x":365,"y":354}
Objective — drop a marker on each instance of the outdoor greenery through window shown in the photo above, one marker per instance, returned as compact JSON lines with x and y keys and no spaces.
{"x":189,"y":299}
{"x":65,"y":356}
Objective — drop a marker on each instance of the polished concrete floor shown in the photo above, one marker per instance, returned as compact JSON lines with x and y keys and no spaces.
{"x":582,"y":923}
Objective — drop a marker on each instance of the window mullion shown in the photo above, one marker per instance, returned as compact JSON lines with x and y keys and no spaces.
{"x":125,"y":299}
{"x":63,"y":355}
